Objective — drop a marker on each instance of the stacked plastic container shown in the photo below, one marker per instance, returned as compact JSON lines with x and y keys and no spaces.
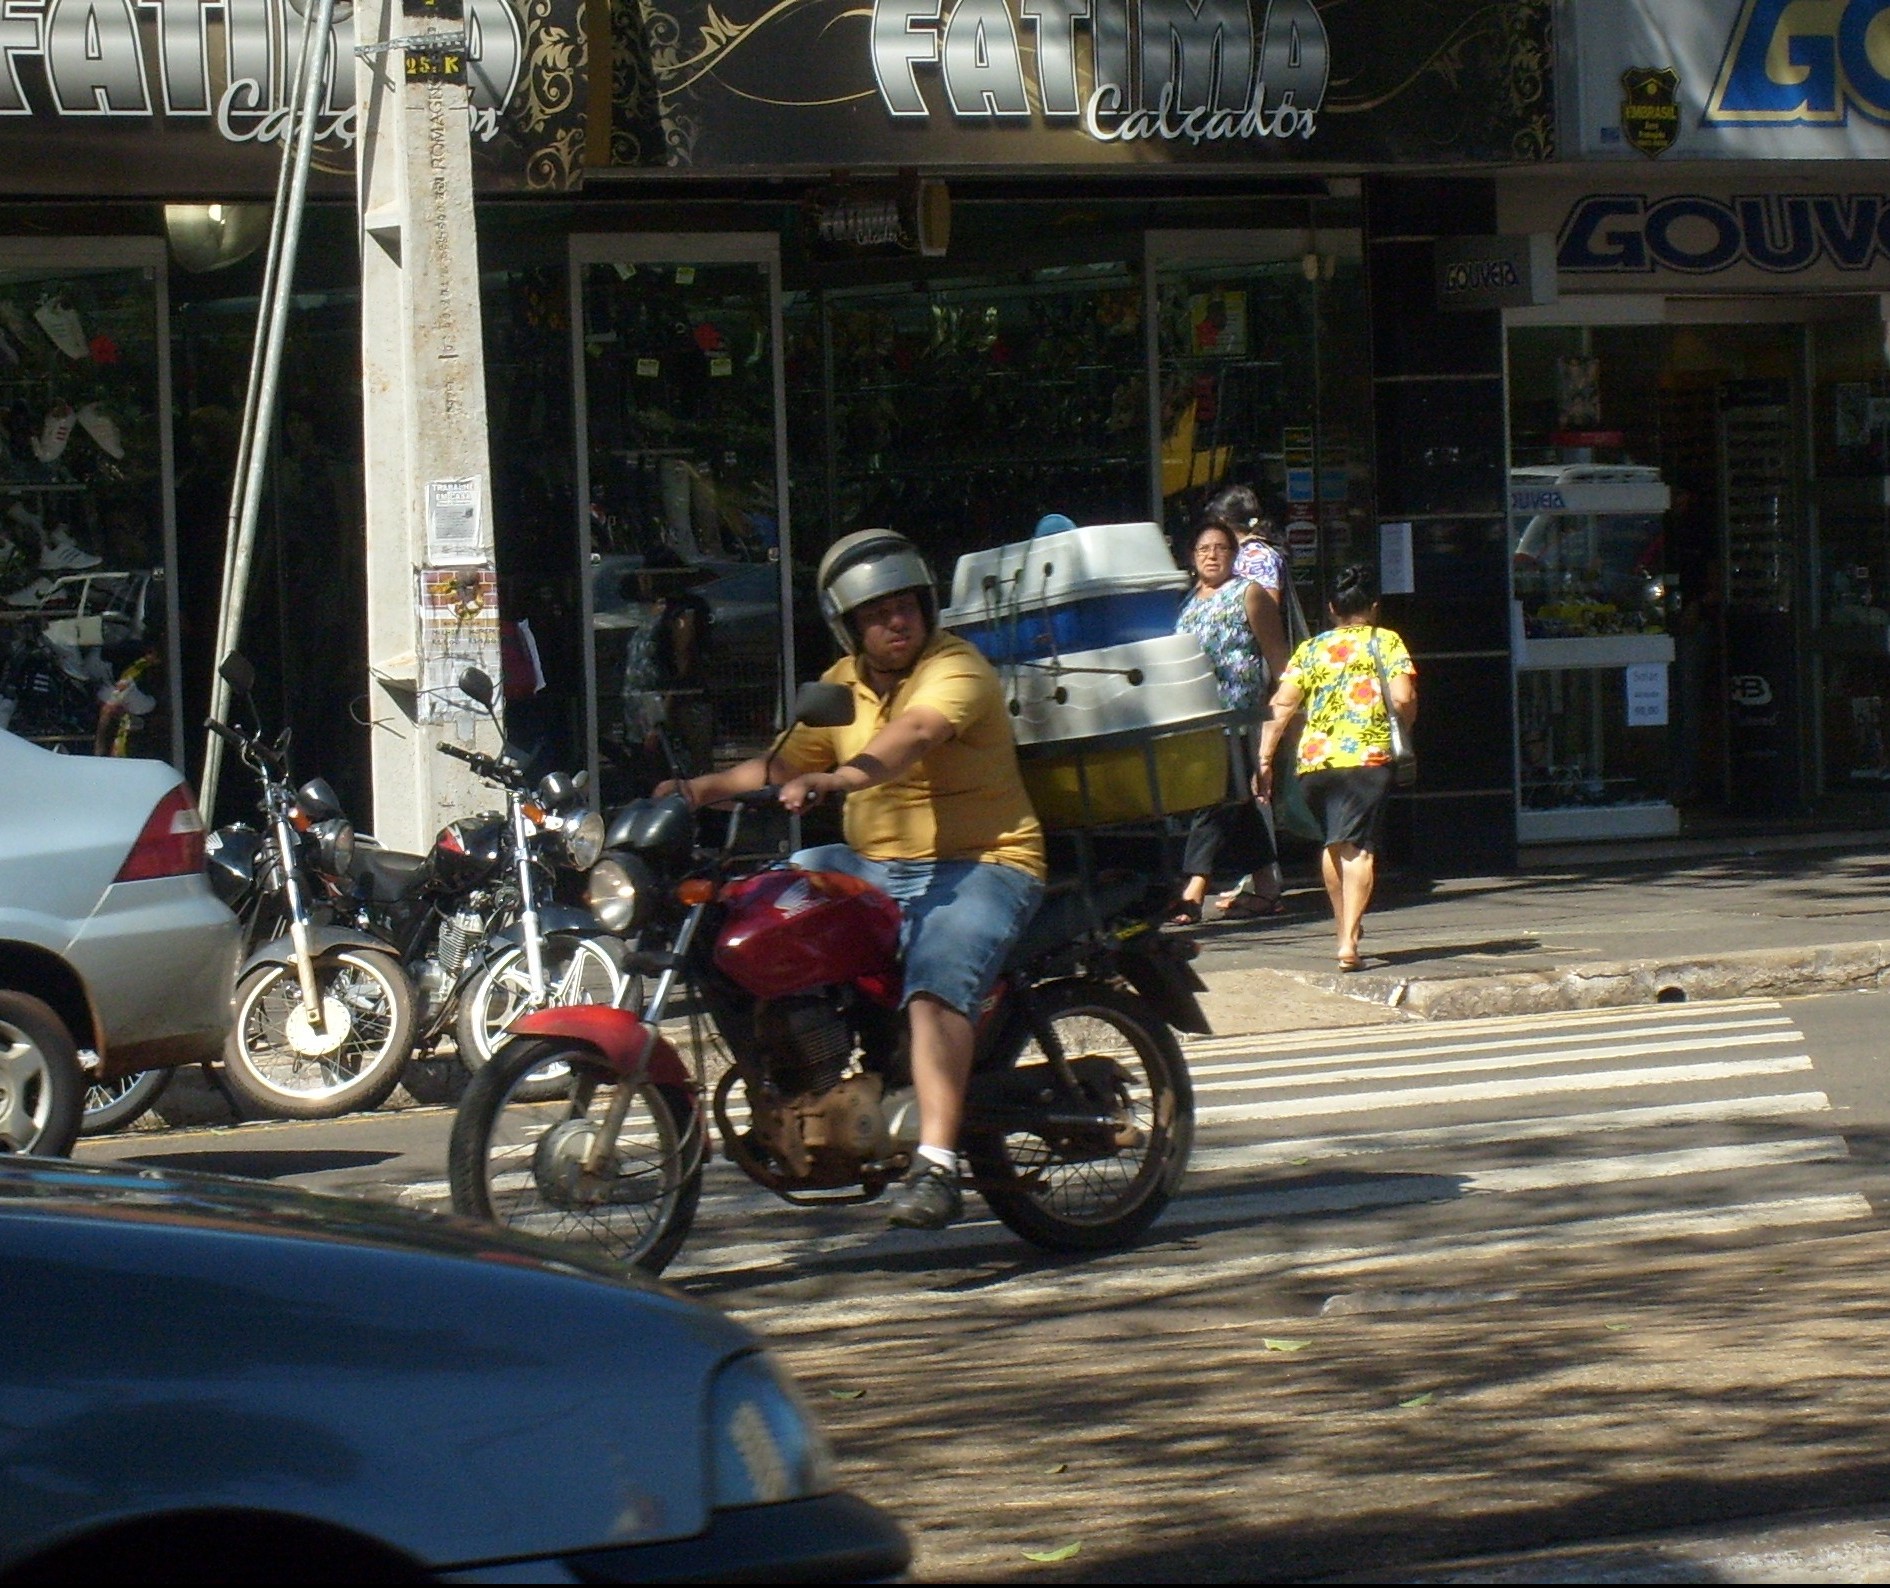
{"x":1117,"y":716}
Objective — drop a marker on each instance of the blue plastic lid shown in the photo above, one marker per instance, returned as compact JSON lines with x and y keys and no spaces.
{"x":1050,"y":523}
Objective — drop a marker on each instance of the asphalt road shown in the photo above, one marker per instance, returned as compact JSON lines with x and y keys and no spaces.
{"x":1430,"y":1289}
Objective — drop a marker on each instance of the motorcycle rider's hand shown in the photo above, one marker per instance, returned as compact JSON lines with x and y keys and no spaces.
{"x":809,"y":789}
{"x":1263,"y":783}
{"x":671,"y":785}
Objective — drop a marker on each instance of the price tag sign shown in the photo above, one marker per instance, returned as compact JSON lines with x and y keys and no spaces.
{"x":685,"y":275}
{"x":649,"y":368}
{"x":1647,"y":695}
{"x":721,"y":364}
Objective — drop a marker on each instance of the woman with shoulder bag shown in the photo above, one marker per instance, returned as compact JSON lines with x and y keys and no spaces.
{"x":1238,"y":627}
{"x":1358,"y":689}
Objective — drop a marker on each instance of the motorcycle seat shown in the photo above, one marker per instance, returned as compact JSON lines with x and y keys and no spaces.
{"x":390,"y":875}
{"x":1064,"y":914}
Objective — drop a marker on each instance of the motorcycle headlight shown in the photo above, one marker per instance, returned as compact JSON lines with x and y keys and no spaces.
{"x":583,"y":839}
{"x":334,"y":847}
{"x":620,"y":892}
{"x":765,"y":1446}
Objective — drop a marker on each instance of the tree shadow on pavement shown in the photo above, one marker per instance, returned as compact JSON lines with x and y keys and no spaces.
{"x":1226,"y":1428}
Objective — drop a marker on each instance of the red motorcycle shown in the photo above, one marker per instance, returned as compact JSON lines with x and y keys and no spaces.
{"x":1079,"y":1116}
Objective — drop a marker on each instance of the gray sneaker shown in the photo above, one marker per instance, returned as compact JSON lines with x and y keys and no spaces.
{"x":927,"y":1199}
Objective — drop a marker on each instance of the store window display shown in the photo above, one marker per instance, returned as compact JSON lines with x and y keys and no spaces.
{"x":83,"y":633}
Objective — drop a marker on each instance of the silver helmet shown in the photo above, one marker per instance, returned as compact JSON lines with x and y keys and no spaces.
{"x":864,"y":566}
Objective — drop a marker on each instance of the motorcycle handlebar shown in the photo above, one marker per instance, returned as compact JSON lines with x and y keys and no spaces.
{"x":227,"y":734}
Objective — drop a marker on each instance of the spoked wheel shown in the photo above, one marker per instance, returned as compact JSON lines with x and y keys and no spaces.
{"x":286,"y":1066}
{"x":602,"y":1164}
{"x":112,"y":1105}
{"x":578,"y":970}
{"x":1097,"y":1188}
{"x":41,"y":1081}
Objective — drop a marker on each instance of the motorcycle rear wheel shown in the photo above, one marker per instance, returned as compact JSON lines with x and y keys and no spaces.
{"x":516,"y":1159}
{"x":1063,"y":1196}
{"x":112,"y":1105}
{"x":263,"y":1066}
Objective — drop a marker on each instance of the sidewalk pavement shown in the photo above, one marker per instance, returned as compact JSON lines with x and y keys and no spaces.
{"x":1573,"y":929}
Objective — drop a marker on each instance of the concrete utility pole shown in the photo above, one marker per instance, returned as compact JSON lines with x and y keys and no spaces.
{"x":429,"y":480}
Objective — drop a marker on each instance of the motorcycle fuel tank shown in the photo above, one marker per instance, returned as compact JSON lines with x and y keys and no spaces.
{"x":468,"y":851}
{"x":791,"y":931}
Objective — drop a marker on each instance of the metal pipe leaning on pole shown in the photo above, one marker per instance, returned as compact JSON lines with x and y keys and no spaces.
{"x":259,"y":402}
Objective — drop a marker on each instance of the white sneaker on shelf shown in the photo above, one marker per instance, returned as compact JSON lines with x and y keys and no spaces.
{"x":126,"y":693}
{"x":54,"y":433}
{"x":100,"y":426}
{"x":60,"y":322}
{"x":60,"y":553}
{"x":31,"y":595}
{"x":71,"y":663}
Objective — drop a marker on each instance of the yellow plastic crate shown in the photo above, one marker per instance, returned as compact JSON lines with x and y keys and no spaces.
{"x":1091,"y":783}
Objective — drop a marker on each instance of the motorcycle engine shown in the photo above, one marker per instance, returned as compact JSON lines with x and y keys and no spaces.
{"x":819,"y":1123}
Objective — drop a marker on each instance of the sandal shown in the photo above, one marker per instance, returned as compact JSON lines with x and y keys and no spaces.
{"x":1350,"y":962}
{"x":1248,"y":907}
{"x":1185,"y":912}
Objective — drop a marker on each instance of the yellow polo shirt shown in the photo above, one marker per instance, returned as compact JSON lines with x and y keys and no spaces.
{"x":964,"y":800}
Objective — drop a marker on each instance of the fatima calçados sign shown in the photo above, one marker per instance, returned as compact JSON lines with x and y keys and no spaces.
{"x":174,"y":98}
{"x":1075,"y":82}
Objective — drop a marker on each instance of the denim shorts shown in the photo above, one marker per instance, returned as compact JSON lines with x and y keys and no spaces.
{"x":960,"y":917}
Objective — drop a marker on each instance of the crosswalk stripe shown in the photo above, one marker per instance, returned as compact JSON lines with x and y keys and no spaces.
{"x":1092,"y":1283}
{"x":1445,"y":1183}
{"x":1661,"y":1038}
{"x":1338,"y":1148}
{"x":1270,"y":1078}
{"x":1678,"y":1015}
{"x":1487,"y":1091}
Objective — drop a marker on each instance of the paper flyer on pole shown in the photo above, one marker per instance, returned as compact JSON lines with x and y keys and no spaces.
{"x":459,"y":628}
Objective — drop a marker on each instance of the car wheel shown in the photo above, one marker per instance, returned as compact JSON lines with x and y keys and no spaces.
{"x":42,"y":1084}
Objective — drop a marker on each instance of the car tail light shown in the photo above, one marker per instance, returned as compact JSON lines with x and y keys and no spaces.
{"x":171,"y":844}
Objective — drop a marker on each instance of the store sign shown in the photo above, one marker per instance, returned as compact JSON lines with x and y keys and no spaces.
{"x":840,"y":83}
{"x":1202,"y":69}
{"x":1786,"y":79}
{"x":1741,"y":240}
{"x":1494,"y":272}
{"x":85,"y":83}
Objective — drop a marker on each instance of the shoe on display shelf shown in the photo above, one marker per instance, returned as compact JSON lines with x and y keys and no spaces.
{"x":60,"y":322}
{"x":32,"y":595}
{"x":101,"y":427}
{"x":126,"y":694}
{"x":14,"y":322}
{"x":59,"y":552}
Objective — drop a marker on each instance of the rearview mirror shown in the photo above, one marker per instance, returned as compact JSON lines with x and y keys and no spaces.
{"x":476,"y":685}
{"x":823,"y":706}
{"x":237,"y":672}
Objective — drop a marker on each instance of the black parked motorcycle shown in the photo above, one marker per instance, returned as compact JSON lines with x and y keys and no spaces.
{"x":323,"y":1016}
{"x":475,"y":921}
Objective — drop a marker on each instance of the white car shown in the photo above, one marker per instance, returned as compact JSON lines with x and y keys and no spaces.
{"x":110,"y":938}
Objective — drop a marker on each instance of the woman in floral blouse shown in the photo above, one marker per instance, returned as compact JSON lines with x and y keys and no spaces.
{"x":1345,"y":748}
{"x":1228,"y":616}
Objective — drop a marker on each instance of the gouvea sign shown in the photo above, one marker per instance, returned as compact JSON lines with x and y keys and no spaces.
{"x":1787,"y":79}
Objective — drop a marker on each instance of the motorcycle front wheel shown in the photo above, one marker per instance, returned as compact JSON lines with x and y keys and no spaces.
{"x":578,"y":970}
{"x":287,"y":1069}
{"x":112,"y":1105}
{"x":1086,"y":1191}
{"x":536,"y":1165}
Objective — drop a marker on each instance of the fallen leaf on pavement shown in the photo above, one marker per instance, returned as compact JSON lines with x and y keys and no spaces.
{"x":1285,"y":1345}
{"x":1418,"y":1400}
{"x":846,"y":1395}
{"x":1050,"y":1556}
{"x":1616,"y":1328}
{"x":1057,"y":1466}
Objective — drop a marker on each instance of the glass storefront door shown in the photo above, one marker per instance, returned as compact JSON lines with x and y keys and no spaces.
{"x":1258,"y":382}
{"x":88,"y":650}
{"x":684,"y":536}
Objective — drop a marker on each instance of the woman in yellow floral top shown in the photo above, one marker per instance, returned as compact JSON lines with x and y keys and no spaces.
{"x":1345,"y":748}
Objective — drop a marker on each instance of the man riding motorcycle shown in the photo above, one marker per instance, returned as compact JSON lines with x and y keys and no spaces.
{"x":936,"y":816}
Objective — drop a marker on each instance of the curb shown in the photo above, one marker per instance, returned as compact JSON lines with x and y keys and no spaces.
{"x":1748,"y":973}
